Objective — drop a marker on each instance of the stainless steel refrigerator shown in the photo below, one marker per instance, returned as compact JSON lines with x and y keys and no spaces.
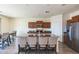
{"x":73,"y":35}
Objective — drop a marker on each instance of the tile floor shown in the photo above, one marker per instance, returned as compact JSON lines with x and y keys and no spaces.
{"x":63,"y":49}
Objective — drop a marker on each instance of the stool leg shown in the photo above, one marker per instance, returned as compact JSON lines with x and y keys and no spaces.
{"x":55,"y":49}
{"x":8,"y":42}
{"x":18,"y":49}
{"x":2,"y":44}
{"x":9,"y":39}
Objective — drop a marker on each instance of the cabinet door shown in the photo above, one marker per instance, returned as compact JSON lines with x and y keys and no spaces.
{"x":46,"y":25}
{"x":75,"y":18}
{"x":32,"y":25}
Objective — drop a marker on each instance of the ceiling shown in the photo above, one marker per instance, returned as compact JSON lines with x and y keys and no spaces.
{"x":36,"y":10}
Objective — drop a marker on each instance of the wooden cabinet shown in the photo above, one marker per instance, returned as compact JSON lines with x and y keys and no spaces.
{"x":39,"y":24}
{"x":75,"y":18}
{"x":32,"y":25}
{"x":69,"y":21}
{"x":46,"y":25}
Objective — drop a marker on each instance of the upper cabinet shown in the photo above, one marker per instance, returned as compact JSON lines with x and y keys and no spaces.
{"x":46,"y":25}
{"x":39,"y":24}
{"x":32,"y":25}
{"x":69,"y":21}
{"x":73,"y":20}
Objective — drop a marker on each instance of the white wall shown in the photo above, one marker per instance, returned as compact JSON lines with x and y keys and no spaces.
{"x":64,"y":22}
{"x":21,"y":25}
{"x":5,"y":24}
{"x":73,"y":14}
{"x":57,"y":25}
{"x":18,"y":24}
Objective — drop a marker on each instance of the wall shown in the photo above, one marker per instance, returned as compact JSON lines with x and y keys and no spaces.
{"x":73,"y":14}
{"x":21,"y":25}
{"x":64,"y":22}
{"x":57,"y":25}
{"x":5,"y":24}
{"x":18,"y":24}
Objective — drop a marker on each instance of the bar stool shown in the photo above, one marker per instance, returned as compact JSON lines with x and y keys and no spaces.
{"x":21,"y":44}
